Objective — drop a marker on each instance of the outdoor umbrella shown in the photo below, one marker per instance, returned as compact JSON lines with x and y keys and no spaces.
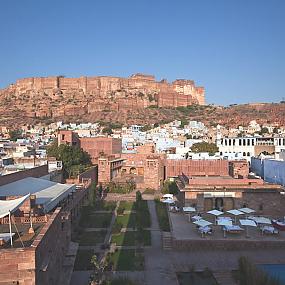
{"x":246,"y":210}
{"x":202,"y":223}
{"x":247,"y":223}
{"x":235,"y":213}
{"x":261,"y":220}
{"x":215,"y":213}
{"x":168,"y":201}
{"x":224,"y":222}
{"x":189,"y":210}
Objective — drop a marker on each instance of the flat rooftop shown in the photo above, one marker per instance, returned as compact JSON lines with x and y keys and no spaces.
{"x":25,"y":236}
{"x":48,"y":193}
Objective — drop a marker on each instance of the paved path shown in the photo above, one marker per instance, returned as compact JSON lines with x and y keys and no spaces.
{"x":158,"y":265}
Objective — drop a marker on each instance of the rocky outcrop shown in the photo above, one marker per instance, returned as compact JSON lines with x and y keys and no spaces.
{"x":59,"y":96}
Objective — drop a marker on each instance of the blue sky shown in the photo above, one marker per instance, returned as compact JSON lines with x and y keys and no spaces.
{"x":235,"y":48}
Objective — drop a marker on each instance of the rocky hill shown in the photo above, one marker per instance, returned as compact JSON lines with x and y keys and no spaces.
{"x":135,"y":100}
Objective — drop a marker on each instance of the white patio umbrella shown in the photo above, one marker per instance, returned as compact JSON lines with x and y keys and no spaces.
{"x":202,"y":223}
{"x":261,"y":220}
{"x":168,"y":201}
{"x":246,"y":210}
{"x":215,"y":213}
{"x":235,"y":213}
{"x":224,"y":222}
{"x":167,"y":196}
{"x":247,"y":223}
{"x":189,"y":210}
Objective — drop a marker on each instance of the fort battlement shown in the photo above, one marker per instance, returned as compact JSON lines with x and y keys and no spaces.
{"x":178,"y":93}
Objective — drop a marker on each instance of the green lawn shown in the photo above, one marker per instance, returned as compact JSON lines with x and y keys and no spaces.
{"x":127,"y":238}
{"x":126,"y":260}
{"x":132,"y":238}
{"x":162,"y":216}
{"x":104,"y":206}
{"x":82,"y":261}
{"x":91,"y":238}
{"x":126,"y":206}
{"x":127,"y":221}
{"x":142,"y":214}
{"x":95,"y":220}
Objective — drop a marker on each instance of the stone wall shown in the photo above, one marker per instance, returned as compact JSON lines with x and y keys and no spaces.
{"x":197,"y":167}
{"x":226,"y":244}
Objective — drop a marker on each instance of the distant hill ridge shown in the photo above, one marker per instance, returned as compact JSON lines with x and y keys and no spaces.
{"x":138,"y":99}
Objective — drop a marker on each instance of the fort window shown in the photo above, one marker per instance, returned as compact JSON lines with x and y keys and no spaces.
{"x":63,"y":137}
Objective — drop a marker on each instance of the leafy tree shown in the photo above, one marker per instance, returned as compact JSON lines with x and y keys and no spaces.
{"x":263,"y":131}
{"x":249,"y":274}
{"x":146,"y":128}
{"x":211,"y":148}
{"x":15,"y":134}
{"x":170,"y":187}
{"x":107,"y":130}
{"x":275,"y":130}
{"x":74,"y":159}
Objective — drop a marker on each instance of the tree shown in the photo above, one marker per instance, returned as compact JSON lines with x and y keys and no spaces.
{"x":15,"y":134}
{"x":107,"y":130}
{"x":74,"y":159}
{"x":211,"y":148}
{"x":263,"y":131}
{"x":275,"y":130}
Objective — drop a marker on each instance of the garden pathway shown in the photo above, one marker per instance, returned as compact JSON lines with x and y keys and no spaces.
{"x":158,"y":265}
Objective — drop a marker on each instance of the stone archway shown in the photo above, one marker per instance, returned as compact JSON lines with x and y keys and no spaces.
{"x":219,"y":203}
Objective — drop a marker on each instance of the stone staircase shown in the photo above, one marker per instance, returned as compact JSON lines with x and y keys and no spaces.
{"x":166,"y":241}
{"x":224,"y":278}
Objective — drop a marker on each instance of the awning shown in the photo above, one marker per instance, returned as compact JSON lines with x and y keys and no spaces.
{"x":11,"y":206}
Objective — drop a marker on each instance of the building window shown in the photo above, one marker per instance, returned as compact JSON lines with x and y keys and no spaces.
{"x":63,"y":137}
{"x":261,"y":207}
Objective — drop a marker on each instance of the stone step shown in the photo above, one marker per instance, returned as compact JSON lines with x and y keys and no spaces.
{"x":224,"y":278}
{"x":166,"y":241}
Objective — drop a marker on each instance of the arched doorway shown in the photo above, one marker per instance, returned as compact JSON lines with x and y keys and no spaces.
{"x":219,"y":203}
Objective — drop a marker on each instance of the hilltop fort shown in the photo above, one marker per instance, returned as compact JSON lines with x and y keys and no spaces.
{"x":59,"y":96}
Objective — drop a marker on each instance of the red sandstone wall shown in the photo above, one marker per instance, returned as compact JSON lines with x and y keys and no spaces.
{"x":197,"y":167}
{"x":52,"y":245}
{"x":101,"y":144}
{"x":17,"y":265}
